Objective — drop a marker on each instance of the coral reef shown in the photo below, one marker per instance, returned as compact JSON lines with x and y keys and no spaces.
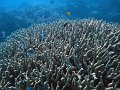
{"x":38,"y":13}
{"x":75,"y":55}
{"x":26,"y":15}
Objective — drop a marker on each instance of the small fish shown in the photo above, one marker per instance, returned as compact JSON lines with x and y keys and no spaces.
{"x":68,"y":13}
{"x":43,"y":35}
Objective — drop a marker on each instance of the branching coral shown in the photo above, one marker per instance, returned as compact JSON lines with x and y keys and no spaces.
{"x":76,"y":55}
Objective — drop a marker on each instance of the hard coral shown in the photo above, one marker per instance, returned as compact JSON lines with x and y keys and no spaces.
{"x":76,"y":55}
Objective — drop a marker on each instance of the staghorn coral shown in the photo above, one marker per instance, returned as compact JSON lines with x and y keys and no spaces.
{"x":76,"y":55}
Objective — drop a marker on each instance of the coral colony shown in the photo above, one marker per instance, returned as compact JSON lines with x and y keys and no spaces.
{"x":72,"y":55}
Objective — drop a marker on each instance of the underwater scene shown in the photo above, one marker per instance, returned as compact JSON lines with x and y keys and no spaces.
{"x":59,"y":44}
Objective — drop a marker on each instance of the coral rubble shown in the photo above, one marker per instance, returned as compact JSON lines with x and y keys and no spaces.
{"x":75,"y":55}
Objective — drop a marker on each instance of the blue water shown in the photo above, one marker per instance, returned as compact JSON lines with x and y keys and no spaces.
{"x":16,"y":14}
{"x":30,"y":88}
